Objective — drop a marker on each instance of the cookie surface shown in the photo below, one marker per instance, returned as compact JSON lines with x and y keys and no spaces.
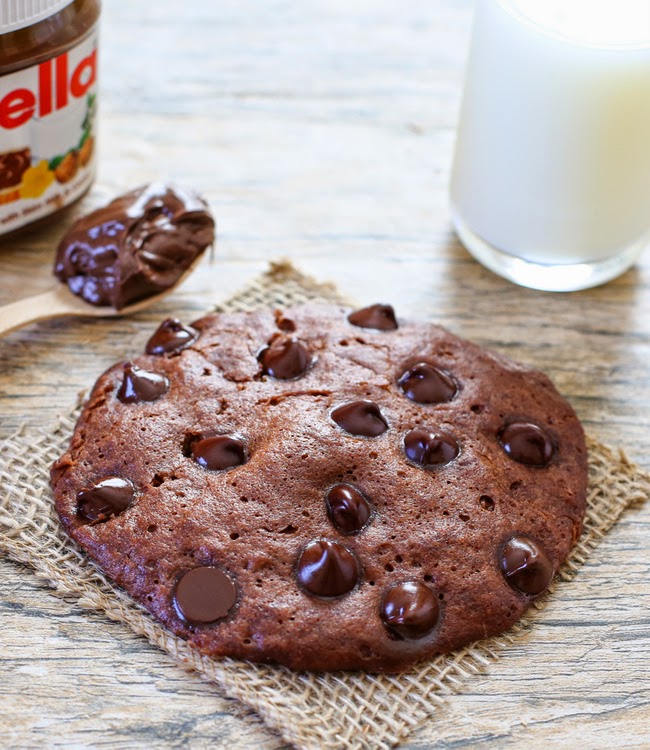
{"x":291,"y":486}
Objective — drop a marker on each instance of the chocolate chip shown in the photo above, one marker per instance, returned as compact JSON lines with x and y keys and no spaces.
{"x":426,"y":384}
{"x":430,"y":448}
{"x":219,"y":452}
{"x":171,"y":336}
{"x":348,"y":508}
{"x":527,"y":443}
{"x":285,"y":358}
{"x":526,"y":566}
{"x":409,"y":610}
{"x":105,"y":499}
{"x":141,"y":385}
{"x":284,"y":324}
{"x":204,"y":595}
{"x":360,"y":418}
{"x":381,"y":317}
{"x":327,"y":569}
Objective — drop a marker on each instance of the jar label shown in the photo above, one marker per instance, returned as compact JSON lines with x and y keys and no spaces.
{"x":47,"y":135}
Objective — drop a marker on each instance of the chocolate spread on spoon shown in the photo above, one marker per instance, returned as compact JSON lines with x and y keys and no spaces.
{"x":137,"y":246}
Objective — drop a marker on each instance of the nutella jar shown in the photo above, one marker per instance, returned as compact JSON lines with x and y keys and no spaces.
{"x":48,"y":104}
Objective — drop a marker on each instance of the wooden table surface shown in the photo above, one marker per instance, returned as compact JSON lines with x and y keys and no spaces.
{"x":322,"y":131}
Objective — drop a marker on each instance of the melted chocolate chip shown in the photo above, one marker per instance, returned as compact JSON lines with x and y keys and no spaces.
{"x":138,"y":245}
{"x":347,"y":508}
{"x":409,"y":610}
{"x":204,"y":595}
{"x":141,"y":385}
{"x":284,"y":324}
{"x":526,"y":566}
{"x":426,"y":384}
{"x":527,"y":443}
{"x":360,"y":418}
{"x":171,"y":336}
{"x":285,"y":358}
{"x":327,"y":569}
{"x":380,"y":317}
{"x":105,"y":499}
{"x":219,"y":452}
{"x":430,"y":448}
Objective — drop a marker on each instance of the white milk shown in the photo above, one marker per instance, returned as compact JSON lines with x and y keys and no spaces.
{"x":552,"y":159}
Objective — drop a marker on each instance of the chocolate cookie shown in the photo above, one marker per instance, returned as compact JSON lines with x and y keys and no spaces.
{"x":325,"y":489}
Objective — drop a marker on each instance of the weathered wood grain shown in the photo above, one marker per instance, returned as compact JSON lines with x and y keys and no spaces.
{"x":322,"y":131}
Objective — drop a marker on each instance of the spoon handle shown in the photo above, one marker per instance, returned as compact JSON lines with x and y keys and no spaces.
{"x":39,"y":307}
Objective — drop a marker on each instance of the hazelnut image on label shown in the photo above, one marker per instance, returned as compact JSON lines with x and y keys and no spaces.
{"x":67,"y":168}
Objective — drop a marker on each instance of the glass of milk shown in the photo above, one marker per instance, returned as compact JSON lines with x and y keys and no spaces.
{"x":551,"y":178}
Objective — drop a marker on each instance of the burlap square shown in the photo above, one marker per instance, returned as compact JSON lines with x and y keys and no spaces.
{"x":343,"y":710}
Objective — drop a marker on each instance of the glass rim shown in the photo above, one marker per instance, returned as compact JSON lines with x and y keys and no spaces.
{"x":513,"y":9}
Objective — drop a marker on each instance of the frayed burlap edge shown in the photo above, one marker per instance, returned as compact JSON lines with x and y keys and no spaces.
{"x":351,"y":711}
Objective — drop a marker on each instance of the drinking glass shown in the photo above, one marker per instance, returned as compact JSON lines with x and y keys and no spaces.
{"x":550,"y":182}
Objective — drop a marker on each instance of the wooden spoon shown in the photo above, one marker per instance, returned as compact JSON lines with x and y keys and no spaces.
{"x":61,"y":302}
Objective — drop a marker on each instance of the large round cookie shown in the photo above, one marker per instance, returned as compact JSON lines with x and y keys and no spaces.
{"x":325,"y":489}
